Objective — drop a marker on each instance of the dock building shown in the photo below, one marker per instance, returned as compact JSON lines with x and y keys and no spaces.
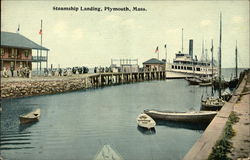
{"x":153,"y":65}
{"x":17,"y":52}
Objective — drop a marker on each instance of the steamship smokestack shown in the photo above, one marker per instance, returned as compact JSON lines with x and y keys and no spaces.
{"x":191,"y":48}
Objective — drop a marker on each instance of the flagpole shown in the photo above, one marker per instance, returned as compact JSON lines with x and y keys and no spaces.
{"x":158,"y":54}
{"x":157,"y":51}
{"x":220,"y":57}
{"x":212,"y":50}
{"x":166,"y":52}
{"x":41,"y":45}
{"x":236,"y":61}
{"x":182,"y":41}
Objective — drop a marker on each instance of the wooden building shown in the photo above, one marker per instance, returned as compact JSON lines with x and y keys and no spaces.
{"x":17,"y":51}
{"x":154,"y":65}
{"x":125,"y":65}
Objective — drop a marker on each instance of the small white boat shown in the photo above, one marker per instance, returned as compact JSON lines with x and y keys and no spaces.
{"x":191,"y":117}
{"x":212,"y":104}
{"x":107,"y":153}
{"x":145,"y":121}
{"x":30,"y":117}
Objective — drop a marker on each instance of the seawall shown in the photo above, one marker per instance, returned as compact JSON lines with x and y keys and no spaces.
{"x":24,"y":87}
{"x":203,"y":146}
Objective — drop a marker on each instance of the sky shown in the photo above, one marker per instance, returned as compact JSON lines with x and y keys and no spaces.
{"x":91,"y":38}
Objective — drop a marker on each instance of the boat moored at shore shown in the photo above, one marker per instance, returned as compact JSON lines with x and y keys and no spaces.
{"x":145,"y":121}
{"x":212,"y":104}
{"x":190,"y":117}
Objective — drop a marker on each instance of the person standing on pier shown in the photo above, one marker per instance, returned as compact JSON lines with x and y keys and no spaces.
{"x":12,"y":71}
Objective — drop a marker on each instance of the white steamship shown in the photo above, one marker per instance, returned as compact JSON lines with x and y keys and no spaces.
{"x":184,"y":65}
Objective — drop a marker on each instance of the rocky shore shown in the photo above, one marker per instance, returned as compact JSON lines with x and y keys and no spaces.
{"x":21,"y":87}
{"x":14,"y":87}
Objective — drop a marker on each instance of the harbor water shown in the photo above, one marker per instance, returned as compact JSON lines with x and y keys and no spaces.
{"x":76,"y":125}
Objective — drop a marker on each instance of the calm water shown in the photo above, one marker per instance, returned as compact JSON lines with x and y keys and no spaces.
{"x":76,"y":125}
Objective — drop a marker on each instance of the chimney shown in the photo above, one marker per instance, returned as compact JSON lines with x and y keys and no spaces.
{"x":191,"y":48}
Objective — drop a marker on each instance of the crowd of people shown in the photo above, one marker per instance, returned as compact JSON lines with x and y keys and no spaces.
{"x":65,"y":72}
{"x":20,"y":72}
{"x":102,"y":69}
{"x":26,"y":72}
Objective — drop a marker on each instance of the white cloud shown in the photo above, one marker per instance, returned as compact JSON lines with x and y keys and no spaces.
{"x":129,"y":22}
{"x":112,"y":18}
{"x":60,"y":27}
{"x":173,"y":30}
{"x":237,"y":19}
{"x":206,"y":22}
{"x":77,"y":33}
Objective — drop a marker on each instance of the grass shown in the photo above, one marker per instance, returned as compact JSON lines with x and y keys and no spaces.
{"x":224,"y":145}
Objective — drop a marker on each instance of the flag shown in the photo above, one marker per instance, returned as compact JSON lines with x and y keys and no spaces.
{"x":40,"y":32}
{"x":157,"y":49}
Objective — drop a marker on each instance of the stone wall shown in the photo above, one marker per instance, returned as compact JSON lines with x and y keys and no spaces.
{"x":23,"y":87}
{"x":41,"y":87}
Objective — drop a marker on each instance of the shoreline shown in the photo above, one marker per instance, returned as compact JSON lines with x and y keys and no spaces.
{"x":39,"y":85}
{"x":203,"y":146}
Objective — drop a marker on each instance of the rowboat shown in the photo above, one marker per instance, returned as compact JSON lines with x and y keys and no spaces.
{"x":107,"y":153}
{"x":205,"y":84}
{"x":191,"y":117}
{"x":212,"y":104}
{"x":145,"y":121}
{"x":226,"y":95}
{"x":30,"y":117}
{"x":193,"y":81}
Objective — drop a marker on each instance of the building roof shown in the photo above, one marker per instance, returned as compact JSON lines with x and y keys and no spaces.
{"x":154,"y":61}
{"x":17,"y":40}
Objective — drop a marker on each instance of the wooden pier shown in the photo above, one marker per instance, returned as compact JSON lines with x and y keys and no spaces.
{"x":106,"y":79}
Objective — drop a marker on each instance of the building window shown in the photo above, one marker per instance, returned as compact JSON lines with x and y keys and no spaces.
{"x":13,"y":53}
{"x":2,"y":52}
{"x":26,"y":53}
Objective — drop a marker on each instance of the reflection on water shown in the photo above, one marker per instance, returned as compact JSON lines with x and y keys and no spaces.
{"x":16,"y":140}
{"x":75,"y":125}
{"x":146,"y":131}
{"x":23,"y":127}
{"x":198,"y":127}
